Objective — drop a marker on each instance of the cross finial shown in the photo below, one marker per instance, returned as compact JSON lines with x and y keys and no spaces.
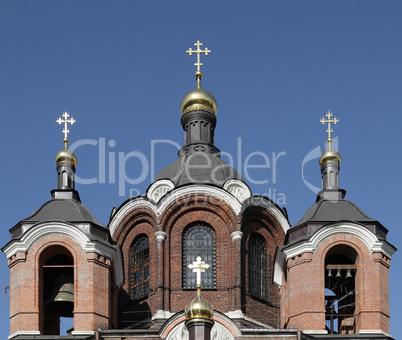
{"x":66,"y":121}
{"x":329,"y":120}
{"x":198,"y":267}
{"x":198,"y":51}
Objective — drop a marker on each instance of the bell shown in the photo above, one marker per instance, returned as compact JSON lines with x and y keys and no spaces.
{"x":61,"y":302}
{"x":329,"y":271}
{"x":338,"y":272}
{"x":348,"y":273}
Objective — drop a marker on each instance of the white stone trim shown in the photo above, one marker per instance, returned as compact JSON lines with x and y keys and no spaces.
{"x":162,"y":314}
{"x":173,"y":195}
{"x":23,"y":333}
{"x":235,"y":314}
{"x":374,"y":331}
{"x":369,"y":239}
{"x":238,"y":189}
{"x":363,"y":234}
{"x":315,"y":331}
{"x":43,"y":229}
{"x":214,"y":192}
{"x":126,"y":209}
{"x":159,"y":189}
{"x":82,"y":332}
{"x":278,"y":268}
{"x":236,"y":235}
{"x":160,"y":236}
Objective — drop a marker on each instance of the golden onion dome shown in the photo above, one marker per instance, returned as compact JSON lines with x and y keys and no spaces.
{"x":330,"y":155}
{"x":66,"y":156}
{"x":198,"y":99}
{"x":199,"y":308}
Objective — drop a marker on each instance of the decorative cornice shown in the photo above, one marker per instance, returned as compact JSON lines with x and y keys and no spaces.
{"x":367,"y":237}
{"x":159,"y":189}
{"x":207,"y":190}
{"x":198,"y":107}
{"x":43,"y":229}
{"x":238,"y":189}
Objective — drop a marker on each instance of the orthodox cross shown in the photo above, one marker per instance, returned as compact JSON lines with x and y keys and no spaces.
{"x":65,"y":121}
{"x":198,"y":267}
{"x":329,"y":120}
{"x":198,"y":51}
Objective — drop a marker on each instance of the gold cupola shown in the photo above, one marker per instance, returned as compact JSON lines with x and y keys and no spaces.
{"x":199,"y":308}
{"x":66,"y":156}
{"x":198,"y":99}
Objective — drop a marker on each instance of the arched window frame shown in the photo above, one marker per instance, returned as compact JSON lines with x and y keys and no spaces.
{"x":198,"y":239}
{"x":139,"y":267}
{"x":340,"y":273}
{"x":258,"y":267}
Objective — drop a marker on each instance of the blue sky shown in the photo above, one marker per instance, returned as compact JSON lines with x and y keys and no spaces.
{"x":276,"y":67}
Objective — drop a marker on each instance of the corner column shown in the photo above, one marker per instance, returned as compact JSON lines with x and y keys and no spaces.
{"x":236,"y":240}
{"x":160,"y":313}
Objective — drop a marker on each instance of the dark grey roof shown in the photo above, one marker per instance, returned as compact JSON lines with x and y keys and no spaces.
{"x":329,"y":211}
{"x":205,"y":168}
{"x":64,"y":210}
{"x":340,"y":210}
{"x":68,"y":210}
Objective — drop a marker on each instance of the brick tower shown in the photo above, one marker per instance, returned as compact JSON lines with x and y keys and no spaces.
{"x":333,"y":268}
{"x":60,"y":261}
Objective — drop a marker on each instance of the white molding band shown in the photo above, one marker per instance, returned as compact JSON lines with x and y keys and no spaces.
{"x":374,"y":331}
{"x":315,"y":331}
{"x":43,"y":229}
{"x":369,"y":239}
{"x":174,"y":195}
{"x":23,"y":333}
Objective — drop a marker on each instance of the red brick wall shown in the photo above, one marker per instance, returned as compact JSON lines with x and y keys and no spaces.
{"x":261,"y":222}
{"x":303,"y":291}
{"x":231,"y":292}
{"x":91,"y":286}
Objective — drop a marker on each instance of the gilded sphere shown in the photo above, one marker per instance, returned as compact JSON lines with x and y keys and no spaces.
{"x":201,"y":97}
{"x":66,"y":156}
{"x":330,"y":155}
{"x":199,"y":308}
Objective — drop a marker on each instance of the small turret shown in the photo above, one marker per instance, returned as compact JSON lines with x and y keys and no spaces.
{"x":330,"y":162}
{"x":66,"y":161}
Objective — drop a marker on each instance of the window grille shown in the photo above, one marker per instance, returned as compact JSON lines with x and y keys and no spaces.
{"x":199,"y":240}
{"x":258,"y":263}
{"x":139,"y":268}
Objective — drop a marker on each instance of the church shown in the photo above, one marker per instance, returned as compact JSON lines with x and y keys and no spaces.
{"x":326,"y":277}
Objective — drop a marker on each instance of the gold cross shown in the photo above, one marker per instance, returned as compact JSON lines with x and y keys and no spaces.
{"x":198,"y":51}
{"x":198,"y":267}
{"x":329,"y":120}
{"x":65,"y":121}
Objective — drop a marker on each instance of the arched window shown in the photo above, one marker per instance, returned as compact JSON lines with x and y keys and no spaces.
{"x":199,"y":240}
{"x":340,"y":294}
{"x":57,"y":290}
{"x":139,"y":268}
{"x":258,"y":262}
